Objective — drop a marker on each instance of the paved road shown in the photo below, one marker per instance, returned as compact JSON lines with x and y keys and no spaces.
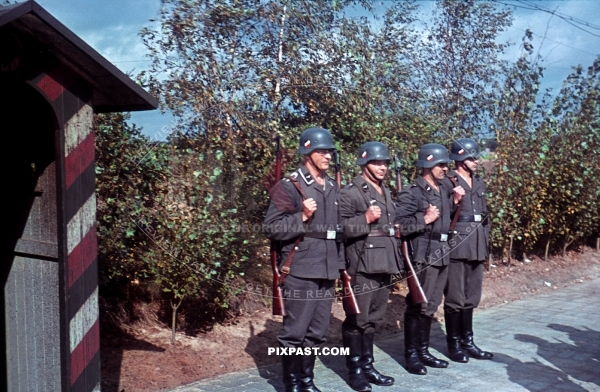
{"x":548,"y":342}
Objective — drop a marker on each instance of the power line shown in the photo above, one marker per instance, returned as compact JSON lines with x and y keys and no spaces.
{"x":556,"y":42}
{"x":575,"y":22}
{"x":561,"y":15}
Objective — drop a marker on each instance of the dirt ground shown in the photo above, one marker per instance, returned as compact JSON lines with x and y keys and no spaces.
{"x":145,"y":361}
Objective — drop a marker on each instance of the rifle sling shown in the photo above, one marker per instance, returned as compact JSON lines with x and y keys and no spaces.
{"x":454,"y":181}
{"x":286,"y":267}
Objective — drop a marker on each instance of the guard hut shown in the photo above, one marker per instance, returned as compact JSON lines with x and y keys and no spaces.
{"x":51,"y":84}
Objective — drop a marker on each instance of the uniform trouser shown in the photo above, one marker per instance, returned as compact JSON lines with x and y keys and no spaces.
{"x":463,"y":289}
{"x":308,"y":305}
{"x":433,"y":280}
{"x":372,"y":292}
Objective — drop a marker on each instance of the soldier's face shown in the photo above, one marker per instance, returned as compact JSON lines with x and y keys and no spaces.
{"x":471,"y":164}
{"x":321,"y":158}
{"x":378,"y":168}
{"x":439,"y":171}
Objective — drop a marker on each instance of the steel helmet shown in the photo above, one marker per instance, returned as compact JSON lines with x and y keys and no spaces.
{"x":431,"y":154}
{"x":315,"y":139}
{"x":464,"y":148}
{"x":372,"y":151}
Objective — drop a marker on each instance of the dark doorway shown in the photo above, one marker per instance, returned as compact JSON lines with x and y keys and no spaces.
{"x":29,"y":270}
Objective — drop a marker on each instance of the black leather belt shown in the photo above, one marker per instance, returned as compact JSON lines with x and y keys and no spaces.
{"x":473,"y":218}
{"x":322,"y":235}
{"x":470,"y":218}
{"x":382,"y":233}
{"x":439,"y":237}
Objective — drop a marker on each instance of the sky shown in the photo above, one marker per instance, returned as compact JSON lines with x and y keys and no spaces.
{"x":111,"y":27}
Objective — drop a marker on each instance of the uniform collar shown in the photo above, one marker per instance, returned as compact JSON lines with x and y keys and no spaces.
{"x":461,"y":180}
{"x":308,"y":178}
{"x":367,"y":187}
{"x":425,"y":185}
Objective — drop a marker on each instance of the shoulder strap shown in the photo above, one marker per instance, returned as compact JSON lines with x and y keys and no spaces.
{"x":296,"y":184}
{"x":362,"y":192}
{"x":423,"y":191}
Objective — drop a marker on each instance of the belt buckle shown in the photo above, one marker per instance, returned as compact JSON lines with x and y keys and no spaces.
{"x":331,"y":234}
{"x":392,"y":232}
{"x":477,"y":218}
{"x":443,"y":237}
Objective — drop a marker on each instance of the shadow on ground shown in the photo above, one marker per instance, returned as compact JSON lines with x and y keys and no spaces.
{"x":112,"y":355}
{"x":578,"y":359}
{"x":257,"y":348}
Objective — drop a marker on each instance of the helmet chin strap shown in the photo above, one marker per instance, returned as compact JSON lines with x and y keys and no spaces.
{"x":312,"y":163}
{"x":465,"y":167}
{"x":371,"y":175}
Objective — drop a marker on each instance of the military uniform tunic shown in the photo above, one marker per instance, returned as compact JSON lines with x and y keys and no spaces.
{"x":309,"y":288}
{"x":469,"y":247}
{"x":371,"y":252}
{"x":429,"y":243}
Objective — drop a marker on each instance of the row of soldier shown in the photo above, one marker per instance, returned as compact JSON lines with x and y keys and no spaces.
{"x":322,"y":230}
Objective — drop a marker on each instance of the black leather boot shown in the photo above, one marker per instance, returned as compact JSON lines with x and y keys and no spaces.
{"x":466,"y":342}
{"x":357,"y":379}
{"x":291,"y":372}
{"x":423,"y":350}
{"x":412,"y":327}
{"x":371,"y":374}
{"x":453,"y":329}
{"x":307,"y":374}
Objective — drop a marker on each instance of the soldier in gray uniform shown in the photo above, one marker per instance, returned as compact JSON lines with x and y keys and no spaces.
{"x":368,"y":212}
{"x":469,"y":242}
{"x":423,"y":212}
{"x":303,"y":217}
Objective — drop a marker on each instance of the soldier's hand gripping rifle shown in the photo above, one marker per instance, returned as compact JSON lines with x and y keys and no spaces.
{"x":414,"y":287}
{"x":278,"y":304}
{"x":348,"y":299}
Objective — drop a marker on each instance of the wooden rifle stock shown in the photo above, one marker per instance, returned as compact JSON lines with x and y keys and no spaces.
{"x":338,"y":169}
{"x":278,"y":303}
{"x":414,"y":287}
{"x":348,"y":299}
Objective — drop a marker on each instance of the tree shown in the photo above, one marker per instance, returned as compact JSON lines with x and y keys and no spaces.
{"x":457,"y":65}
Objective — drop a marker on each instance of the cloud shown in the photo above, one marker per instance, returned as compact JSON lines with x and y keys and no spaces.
{"x":111,"y":27}
{"x":121,"y":45}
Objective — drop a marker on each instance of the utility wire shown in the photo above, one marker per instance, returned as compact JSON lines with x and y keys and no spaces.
{"x":556,"y":42}
{"x":575,"y":22}
{"x":561,"y":15}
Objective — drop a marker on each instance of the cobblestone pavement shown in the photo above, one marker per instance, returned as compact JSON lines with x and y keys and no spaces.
{"x":548,"y":342}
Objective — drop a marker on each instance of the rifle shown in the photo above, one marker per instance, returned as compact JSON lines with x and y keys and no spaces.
{"x":278,"y":304}
{"x":348,"y":299}
{"x":414,"y":287}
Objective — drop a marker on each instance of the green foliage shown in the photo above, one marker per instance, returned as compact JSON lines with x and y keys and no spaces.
{"x":544,"y":190}
{"x":129,"y":178}
{"x":165,"y":218}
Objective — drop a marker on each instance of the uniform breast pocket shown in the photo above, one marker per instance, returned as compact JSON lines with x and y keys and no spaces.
{"x":375,"y":258}
{"x":302,"y":250}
